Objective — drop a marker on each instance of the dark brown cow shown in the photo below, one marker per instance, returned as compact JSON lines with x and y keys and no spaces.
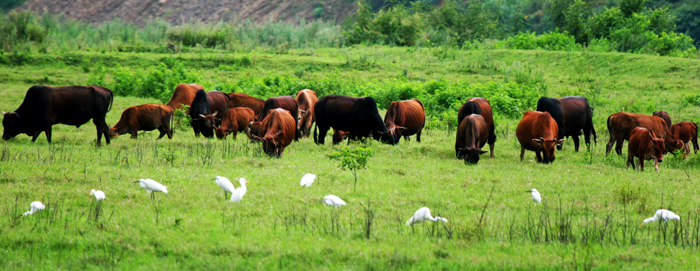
{"x":664,"y":115}
{"x":183,"y":94}
{"x":277,"y":130}
{"x":285,"y":102}
{"x":482,"y":107}
{"x":357,"y":115}
{"x":472,"y":134}
{"x":145,"y":117}
{"x":538,"y":132}
{"x":254,"y":130}
{"x":572,"y":114}
{"x":234,"y":120}
{"x":306,"y":99}
{"x":245,"y":100}
{"x":621,"y":124}
{"x":687,"y":132}
{"x":646,"y":146}
{"x":405,"y":118}
{"x":205,"y":107}
{"x":44,"y":106}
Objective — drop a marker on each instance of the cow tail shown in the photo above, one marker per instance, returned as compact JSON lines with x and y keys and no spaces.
{"x":315,"y":133}
{"x":111,"y":99}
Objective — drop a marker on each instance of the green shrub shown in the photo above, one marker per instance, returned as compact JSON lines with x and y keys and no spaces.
{"x":546,"y":41}
{"x":200,"y":34}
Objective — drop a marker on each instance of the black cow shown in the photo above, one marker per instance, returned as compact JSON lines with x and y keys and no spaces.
{"x":202,"y":119}
{"x":358,"y":116}
{"x":44,"y":106}
{"x":572,"y":114}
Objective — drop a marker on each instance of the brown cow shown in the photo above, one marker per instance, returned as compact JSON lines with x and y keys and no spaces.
{"x":646,"y":146}
{"x":234,"y":120}
{"x":340,"y":135}
{"x":686,"y":131}
{"x":482,"y":107}
{"x":277,"y":130}
{"x":405,"y":118}
{"x":472,"y":134}
{"x":306,"y":99}
{"x":145,"y":117}
{"x":664,"y":115}
{"x":245,"y":100}
{"x":183,"y":94}
{"x":621,"y":124}
{"x":538,"y":132}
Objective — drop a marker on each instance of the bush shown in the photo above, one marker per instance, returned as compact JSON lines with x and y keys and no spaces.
{"x":200,"y":34}
{"x":546,"y":41}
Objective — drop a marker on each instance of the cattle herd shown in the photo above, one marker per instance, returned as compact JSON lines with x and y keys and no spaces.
{"x":278,"y":121}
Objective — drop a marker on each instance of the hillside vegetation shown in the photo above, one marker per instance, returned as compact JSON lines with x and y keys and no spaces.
{"x":592,"y":205}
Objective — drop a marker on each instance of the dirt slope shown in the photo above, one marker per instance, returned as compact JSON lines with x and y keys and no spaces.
{"x":182,"y":11}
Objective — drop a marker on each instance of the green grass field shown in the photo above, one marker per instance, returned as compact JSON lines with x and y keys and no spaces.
{"x":592,"y":205}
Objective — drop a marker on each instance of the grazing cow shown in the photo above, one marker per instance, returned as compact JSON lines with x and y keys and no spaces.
{"x":482,"y":107}
{"x":472,"y":134}
{"x":358,"y":116}
{"x":183,"y":95}
{"x":687,"y":132}
{"x":245,"y":100}
{"x":306,"y":99}
{"x":621,"y":124}
{"x":538,"y":132}
{"x":253,"y":130}
{"x":145,"y":117}
{"x":572,"y":114}
{"x":405,"y":118}
{"x":44,"y":106}
{"x":339,"y":136}
{"x":219,"y":103}
{"x":234,"y":120}
{"x":646,"y":146}
{"x":202,"y":119}
{"x":664,"y":115}
{"x":277,"y":130}
{"x":285,"y":102}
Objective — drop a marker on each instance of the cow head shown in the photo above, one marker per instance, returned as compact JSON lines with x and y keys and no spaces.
{"x":253,"y":130}
{"x":271,"y":145}
{"x":220,"y":133}
{"x":113,"y":134}
{"x":658,"y":149}
{"x":207,"y":121}
{"x":385,"y":137}
{"x":12,"y":124}
{"x":395,"y":132}
{"x":339,"y":136}
{"x":471,"y":155}
{"x":547,"y":148}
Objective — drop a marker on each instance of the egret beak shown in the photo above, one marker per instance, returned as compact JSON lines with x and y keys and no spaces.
{"x":90,"y":194}
{"x":246,"y":181}
{"x":640,"y":225}
{"x":137,"y":181}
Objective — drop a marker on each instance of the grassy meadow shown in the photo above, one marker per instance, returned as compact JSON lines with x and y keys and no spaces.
{"x":592,"y":205}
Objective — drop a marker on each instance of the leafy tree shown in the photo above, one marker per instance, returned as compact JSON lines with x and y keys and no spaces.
{"x":629,"y":7}
{"x":352,"y":159}
{"x":688,"y":20}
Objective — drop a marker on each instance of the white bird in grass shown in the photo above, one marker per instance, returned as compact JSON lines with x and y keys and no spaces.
{"x":332,"y":200}
{"x":535,"y":195}
{"x":238,"y":194}
{"x":152,"y":186}
{"x":308,"y":179}
{"x":99,"y":195}
{"x":663,"y":214}
{"x":225,"y":184}
{"x":422,"y":215}
{"x":34,"y":207}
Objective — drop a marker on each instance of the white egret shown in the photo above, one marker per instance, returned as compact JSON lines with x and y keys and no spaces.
{"x":99,"y":195}
{"x":152,"y":186}
{"x":238,"y":194}
{"x":308,"y":179}
{"x":422,"y":215}
{"x":663,"y":214}
{"x":535,"y":195}
{"x":34,"y":207}
{"x":332,"y":200}
{"x":225,"y":184}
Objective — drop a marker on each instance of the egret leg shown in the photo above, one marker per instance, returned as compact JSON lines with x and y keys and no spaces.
{"x":153,"y":196}
{"x":224,"y":194}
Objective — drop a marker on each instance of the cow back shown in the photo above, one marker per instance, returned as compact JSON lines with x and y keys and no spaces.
{"x":183,"y":94}
{"x":245,"y":100}
{"x":408,"y":114}
{"x":685,"y":131}
{"x":644,"y":144}
{"x":536,"y":125}
{"x":285,"y":102}
{"x":359,"y":116}
{"x":306,"y":99}
{"x":664,"y":115}
{"x":554,"y":107}
{"x":576,"y":114}
{"x":278,"y":127}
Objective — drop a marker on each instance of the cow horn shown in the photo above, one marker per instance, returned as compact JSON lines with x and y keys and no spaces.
{"x":3,"y":112}
{"x":202,"y":116}
{"x":214,"y":115}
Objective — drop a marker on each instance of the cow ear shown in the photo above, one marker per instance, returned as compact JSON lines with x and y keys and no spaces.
{"x":482,"y":152}
{"x":214,"y":115}
{"x":201,"y":116}
{"x":401,"y":128}
{"x":561,"y":141}
{"x":537,"y":140}
{"x":304,"y":112}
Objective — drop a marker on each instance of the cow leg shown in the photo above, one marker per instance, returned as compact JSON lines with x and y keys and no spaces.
{"x":694,"y":139}
{"x":418,"y":135}
{"x":609,"y":146}
{"x":134,"y":133}
{"x":234,"y":133}
{"x":641,"y":164}
{"x":630,"y":161}
{"x":522,"y":153}
{"x":538,"y":155}
{"x":576,"y":142}
{"x":102,"y":128}
{"x":162,"y":132}
{"x":322,"y":134}
{"x":618,"y":147}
